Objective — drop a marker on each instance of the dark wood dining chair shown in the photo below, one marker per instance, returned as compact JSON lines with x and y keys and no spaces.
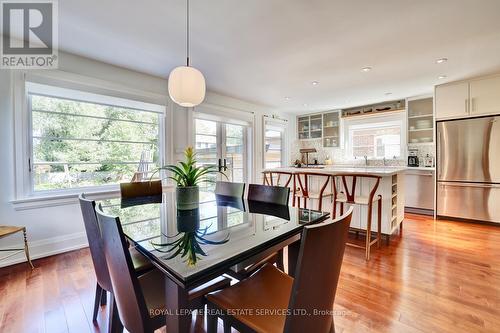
{"x":230,"y":189}
{"x":284,"y":298}
{"x":271,"y":194}
{"x":305,"y":192}
{"x":140,"y":263}
{"x":350,"y":195}
{"x":140,"y":300}
{"x":141,"y":189}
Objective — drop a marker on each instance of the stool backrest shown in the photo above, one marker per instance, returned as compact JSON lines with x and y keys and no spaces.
{"x":127,"y":291}
{"x":269,"y":180}
{"x":317,"y":275}
{"x":95,"y":242}
{"x":270,"y":194}
{"x":351,"y":192}
{"x":303,"y":181}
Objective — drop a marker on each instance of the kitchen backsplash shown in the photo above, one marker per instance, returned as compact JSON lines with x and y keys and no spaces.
{"x":336,"y":155}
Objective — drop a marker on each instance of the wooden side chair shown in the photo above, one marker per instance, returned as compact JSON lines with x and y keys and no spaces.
{"x":140,"y":300}
{"x":230,"y":189}
{"x":7,"y":230}
{"x":306,"y":193}
{"x":140,"y":263}
{"x":349,"y":196}
{"x":313,"y":290}
{"x":141,"y":189}
{"x":271,"y":194}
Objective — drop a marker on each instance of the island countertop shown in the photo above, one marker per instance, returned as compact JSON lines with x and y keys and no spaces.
{"x":334,"y":170}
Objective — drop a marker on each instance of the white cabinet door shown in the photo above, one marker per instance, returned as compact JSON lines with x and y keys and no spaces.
{"x":485,"y":96}
{"x":452,"y":100}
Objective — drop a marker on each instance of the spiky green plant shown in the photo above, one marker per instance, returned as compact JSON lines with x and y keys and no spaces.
{"x":187,"y":173}
{"x":188,"y":245}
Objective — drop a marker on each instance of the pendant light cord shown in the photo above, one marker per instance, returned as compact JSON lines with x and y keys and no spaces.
{"x":187,"y":33}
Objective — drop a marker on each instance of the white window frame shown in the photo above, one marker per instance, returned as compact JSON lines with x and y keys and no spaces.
{"x":388,"y":120}
{"x":25,"y":196}
{"x":283,"y":125}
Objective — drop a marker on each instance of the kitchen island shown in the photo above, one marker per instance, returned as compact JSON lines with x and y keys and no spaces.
{"x":391,"y":188}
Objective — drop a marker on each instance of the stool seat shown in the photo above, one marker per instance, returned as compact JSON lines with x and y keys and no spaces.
{"x":6,"y":230}
{"x":314,"y":195}
{"x":359,"y":200}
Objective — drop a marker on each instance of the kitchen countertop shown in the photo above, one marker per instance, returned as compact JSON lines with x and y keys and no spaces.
{"x":330,"y":169}
{"x":421,"y":168}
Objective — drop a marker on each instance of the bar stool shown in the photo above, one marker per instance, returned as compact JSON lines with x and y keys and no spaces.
{"x":349,"y":196}
{"x":6,"y":230}
{"x":304,"y":191}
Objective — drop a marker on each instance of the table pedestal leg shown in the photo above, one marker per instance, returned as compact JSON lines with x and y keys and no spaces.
{"x":178,"y":311}
{"x":293,"y":255}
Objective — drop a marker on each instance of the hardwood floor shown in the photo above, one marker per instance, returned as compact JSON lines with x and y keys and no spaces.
{"x":438,"y":276}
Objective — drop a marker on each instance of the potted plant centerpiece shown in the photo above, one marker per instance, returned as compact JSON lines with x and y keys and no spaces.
{"x":188,"y":176}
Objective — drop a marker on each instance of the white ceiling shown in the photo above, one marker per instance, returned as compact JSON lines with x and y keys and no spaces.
{"x":264,"y":50}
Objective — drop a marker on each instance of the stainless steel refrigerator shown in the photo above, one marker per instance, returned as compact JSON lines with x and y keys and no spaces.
{"x":468,"y":168}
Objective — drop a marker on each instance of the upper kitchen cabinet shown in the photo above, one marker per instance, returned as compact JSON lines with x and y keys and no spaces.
{"x":476,"y":97}
{"x":485,"y":96}
{"x":452,"y":100}
{"x":309,"y":127}
{"x":331,"y":129}
{"x":420,"y":120}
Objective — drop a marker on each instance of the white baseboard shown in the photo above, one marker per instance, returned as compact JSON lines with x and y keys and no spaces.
{"x":48,"y":247}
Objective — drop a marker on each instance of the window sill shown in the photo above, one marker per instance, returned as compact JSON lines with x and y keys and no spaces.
{"x":54,"y":200}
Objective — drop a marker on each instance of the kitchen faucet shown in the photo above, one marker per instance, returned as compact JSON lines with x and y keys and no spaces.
{"x":385,"y":161}
{"x":366,"y":160}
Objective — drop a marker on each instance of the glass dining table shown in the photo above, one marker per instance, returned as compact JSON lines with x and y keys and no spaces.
{"x":191,"y":247}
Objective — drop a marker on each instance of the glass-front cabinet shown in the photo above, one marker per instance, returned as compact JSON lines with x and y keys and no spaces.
{"x":309,"y":127}
{"x":325,"y":126}
{"x":420,"y":121}
{"x":331,"y":129}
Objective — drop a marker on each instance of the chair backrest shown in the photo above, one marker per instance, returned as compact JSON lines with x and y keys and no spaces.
{"x":141,"y":189}
{"x":95,"y":242}
{"x":229,"y":189}
{"x":270,"y":194}
{"x":317,"y":275}
{"x":268,"y":177}
{"x":350,"y":193}
{"x":126,"y":289}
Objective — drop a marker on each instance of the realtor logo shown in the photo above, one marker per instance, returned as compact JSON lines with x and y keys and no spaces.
{"x":29,"y":38}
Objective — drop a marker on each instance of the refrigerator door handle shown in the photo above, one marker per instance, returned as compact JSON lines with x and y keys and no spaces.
{"x":456,"y":184}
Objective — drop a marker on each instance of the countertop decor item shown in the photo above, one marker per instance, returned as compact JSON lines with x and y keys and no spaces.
{"x":188,"y":176}
{"x":186,"y":84}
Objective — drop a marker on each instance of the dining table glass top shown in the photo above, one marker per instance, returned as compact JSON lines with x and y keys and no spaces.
{"x":188,"y":243}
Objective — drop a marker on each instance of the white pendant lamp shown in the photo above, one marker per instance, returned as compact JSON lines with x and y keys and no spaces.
{"x":186,"y":85}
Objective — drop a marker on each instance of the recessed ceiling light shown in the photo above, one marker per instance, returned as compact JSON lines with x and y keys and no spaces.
{"x":287,"y":98}
{"x":441,"y":60}
{"x":315,"y":83}
{"x":441,"y":77}
{"x":388,"y":93}
{"x":305,"y":104}
{"x":366,"y":69}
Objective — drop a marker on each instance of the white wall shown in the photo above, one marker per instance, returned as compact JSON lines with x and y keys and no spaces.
{"x":57,"y":229}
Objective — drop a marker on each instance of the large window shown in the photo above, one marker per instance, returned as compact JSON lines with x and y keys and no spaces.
{"x":274,"y":133}
{"x":375,"y":140}
{"x":88,"y":142}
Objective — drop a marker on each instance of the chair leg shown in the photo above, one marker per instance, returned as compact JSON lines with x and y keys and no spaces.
{"x":280,"y":261}
{"x":114,"y":324}
{"x":379,"y":223}
{"x":26,"y":249}
{"x":104,"y":297}
{"x":227,"y":326}
{"x":211,"y":319}
{"x":97,"y":301}
{"x":368,"y":233}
